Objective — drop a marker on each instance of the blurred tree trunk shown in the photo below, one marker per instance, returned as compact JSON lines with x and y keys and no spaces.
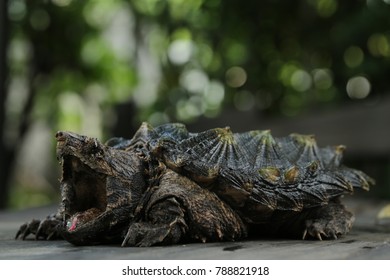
{"x":4,"y":152}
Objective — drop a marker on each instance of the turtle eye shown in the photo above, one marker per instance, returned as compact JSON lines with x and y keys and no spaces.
{"x":94,"y":147}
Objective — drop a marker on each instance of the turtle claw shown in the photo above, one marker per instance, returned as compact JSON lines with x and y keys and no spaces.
{"x":48,"y":229}
{"x":27,"y":229}
{"x":45,"y":229}
{"x":21,"y":229}
{"x":318,"y":230}
{"x":304,"y":234}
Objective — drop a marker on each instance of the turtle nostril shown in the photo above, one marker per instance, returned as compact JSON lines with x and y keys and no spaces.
{"x":59,"y":135}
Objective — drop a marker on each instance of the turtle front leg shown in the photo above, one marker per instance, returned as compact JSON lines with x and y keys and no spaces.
{"x":179,"y":210}
{"x":164,"y":224}
{"x":328,"y":222}
{"x":46,"y":229}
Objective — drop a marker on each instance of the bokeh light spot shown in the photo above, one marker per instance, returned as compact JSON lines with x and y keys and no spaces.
{"x":39,"y":19}
{"x":92,"y":51}
{"x":62,"y":3}
{"x":16,"y":10}
{"x":358,"y":87}
{"x":301,"y":80}
{"x":322,"y":79}
{"x":353,"y":56}
{"x":194,"y":80}
{"x":236,"y":76}
{"x":214,"y":94}
{"x":325,"y":8}
{"x":236,"y":53}
{"x":286,"y":72}
{"x":378,"y":45}
{"x":180,"y":51}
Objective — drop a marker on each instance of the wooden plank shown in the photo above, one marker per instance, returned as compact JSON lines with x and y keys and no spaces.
{"x":366,"y":241}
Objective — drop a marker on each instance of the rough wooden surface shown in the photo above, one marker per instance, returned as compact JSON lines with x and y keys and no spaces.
{"x":367,"y":240}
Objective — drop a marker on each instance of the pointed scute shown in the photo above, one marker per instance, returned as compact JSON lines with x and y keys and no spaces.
{"x":173,"y":131}
{"x":144,"y":133}
{"x":311,"y":170}
{"x":270,"y":174}
{"x":261,"y":150}
{"x":215,"y":148}
{"x":225,"y":135}
{"x":306,"y":140}
{"x":250,"y":140}
{"x":332,"y":156}
{"x":201,"y":156}
{"x":356,"y":178}
{"x":300,"y":149}
{"x":139,"y":141}
{"x":292,"y":175}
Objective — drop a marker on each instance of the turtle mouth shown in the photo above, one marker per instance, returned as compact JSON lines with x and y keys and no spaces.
{"x":83,"y":192}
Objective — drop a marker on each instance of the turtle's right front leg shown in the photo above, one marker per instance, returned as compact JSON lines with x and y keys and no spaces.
{"x":179,"y":210}
{"x":45,"y":229}
{"x":164,"y":224}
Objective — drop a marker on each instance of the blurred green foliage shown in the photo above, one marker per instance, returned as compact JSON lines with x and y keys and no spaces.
{"x":177,"y":60}
{"x":75,"y":62}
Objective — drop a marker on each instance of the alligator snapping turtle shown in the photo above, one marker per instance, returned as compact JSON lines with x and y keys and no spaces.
{"x":167,"y":185}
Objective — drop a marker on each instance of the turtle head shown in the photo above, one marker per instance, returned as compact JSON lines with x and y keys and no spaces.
{"x":82,"y":149}
{"x":100,"y":187}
